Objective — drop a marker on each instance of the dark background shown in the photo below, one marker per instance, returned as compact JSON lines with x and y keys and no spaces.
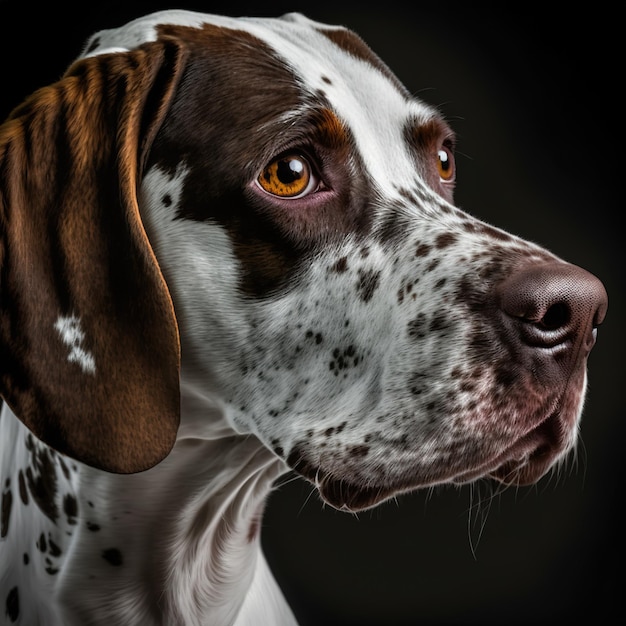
{"x":532,"y":93}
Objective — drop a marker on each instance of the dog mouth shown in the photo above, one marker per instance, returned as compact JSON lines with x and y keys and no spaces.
{"x":522,"y":463}
{"x":526,"y":460}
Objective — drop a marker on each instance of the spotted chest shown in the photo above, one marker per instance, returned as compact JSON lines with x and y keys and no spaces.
{"x":41,"y":516}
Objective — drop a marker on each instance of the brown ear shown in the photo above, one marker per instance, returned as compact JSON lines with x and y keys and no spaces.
{"x":89,"y":349}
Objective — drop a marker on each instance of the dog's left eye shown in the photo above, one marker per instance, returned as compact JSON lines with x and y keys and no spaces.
{"x":288,"y":176}
{"x":445,"y":164}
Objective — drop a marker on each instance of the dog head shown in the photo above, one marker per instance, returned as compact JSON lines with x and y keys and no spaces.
{"x":269,"y":191}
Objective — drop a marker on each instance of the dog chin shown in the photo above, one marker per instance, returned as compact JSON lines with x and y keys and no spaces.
{"x":352,"y":498}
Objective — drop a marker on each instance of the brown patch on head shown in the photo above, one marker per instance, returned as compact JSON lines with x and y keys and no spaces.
{"x":238,"y":127}
{"x":226,"y":114}
{"x":426,"y":139}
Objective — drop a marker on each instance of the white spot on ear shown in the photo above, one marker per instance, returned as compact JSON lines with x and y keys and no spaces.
{"x":72,"y":336}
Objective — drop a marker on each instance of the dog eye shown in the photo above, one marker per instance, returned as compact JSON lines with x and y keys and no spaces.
{"x":289,"y":176}
{"x":445,"y":164}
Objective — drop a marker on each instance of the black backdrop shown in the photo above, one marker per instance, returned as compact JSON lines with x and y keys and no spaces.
{"x":533,"y":96}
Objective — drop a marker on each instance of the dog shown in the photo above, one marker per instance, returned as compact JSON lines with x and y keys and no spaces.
{"x":229,"y":250}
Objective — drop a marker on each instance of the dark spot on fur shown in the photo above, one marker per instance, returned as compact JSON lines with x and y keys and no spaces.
{"x":432,"y":265}
{"x":417,"y":327}
{"x":408,"y":195}
{"x":467,"y":294}
{"x":167,"y":200}
{"x":327,"y":80}
{"x":7,"y":503}
{"x":394,"y":227}
{"x":340,"y":266}
{"x":70,"y":508}
{"x":407,"y":288}
{"x":358,"y":451}
{"x":438,"y":324}
{"x":316,"y":336}
{"x":494,"y":233}
{"x":343,"y":359}
{"x":440,"y":283}
{"x":53,"y":548}
{"x":444,"y":240}
{"x":435,"y":408}
{"x":467,"y":386}
{"x":368,"y":283}
{"x":26,"y":558}
{"x":64,"y":469}
{"x":417,"y":383}
{"x":94,"y":528}
{"x":113,"y":556}
{"x":42,"y":544}
{"x":43,"y":486}
{"x":13,"y":605}
{"x":505,"y":376}
{"x":423,"y":250}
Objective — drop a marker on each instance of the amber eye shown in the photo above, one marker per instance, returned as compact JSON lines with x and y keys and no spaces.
{"x":289,"y":176}
{"x":445,"y":164}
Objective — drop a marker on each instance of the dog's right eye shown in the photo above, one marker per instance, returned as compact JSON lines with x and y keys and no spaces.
{"x":288,"y":176}
{"x":445,"y":164}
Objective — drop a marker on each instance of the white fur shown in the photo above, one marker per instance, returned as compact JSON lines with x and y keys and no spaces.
{"x":72,"y":336}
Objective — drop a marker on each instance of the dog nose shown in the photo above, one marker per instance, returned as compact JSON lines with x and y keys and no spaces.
{"x":555,"y":306}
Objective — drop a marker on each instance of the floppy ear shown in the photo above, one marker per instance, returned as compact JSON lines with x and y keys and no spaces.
{"x":89,"y":348}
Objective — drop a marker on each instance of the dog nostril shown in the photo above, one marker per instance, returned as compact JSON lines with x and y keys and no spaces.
{"x":557,"y":316}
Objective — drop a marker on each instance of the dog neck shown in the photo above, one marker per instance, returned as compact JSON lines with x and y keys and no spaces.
{"x":180,"y":540}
